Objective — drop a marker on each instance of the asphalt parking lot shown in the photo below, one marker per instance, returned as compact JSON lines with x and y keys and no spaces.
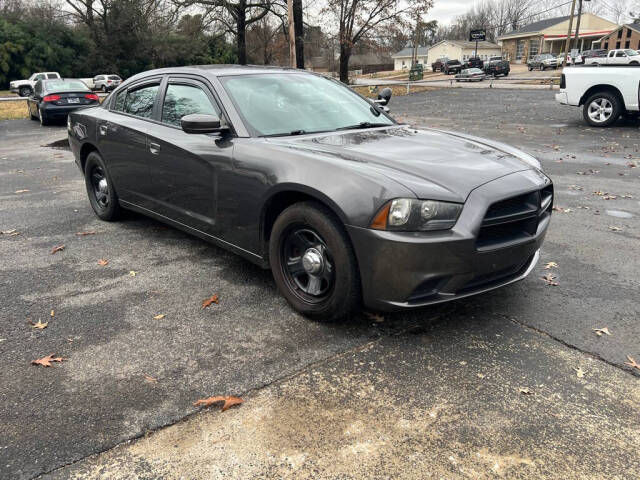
{"x":512,"y":384}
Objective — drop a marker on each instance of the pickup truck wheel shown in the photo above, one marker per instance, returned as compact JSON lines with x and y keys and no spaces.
{"x":602,"y":109}
{"x":313,"y":263}
{"x":634,"y":63}
{"x":24,"y":91}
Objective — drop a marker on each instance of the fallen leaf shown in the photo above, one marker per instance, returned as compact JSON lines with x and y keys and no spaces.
{"x":46,"y":361}
{"x":59,"y":248}
{"x":615,"y":229}
{"x":579,"y":372}
{"x":209,"y":301}
{"x":601,"y":331}
{"x":525,"y":391}
{"x":550,"y":279}
{"x":10,"y":232}
{"x":150,"y":379}
{"x":561,"y":209}
{"x":632,"y":363}
{"x":159,"y":316}
{"x":549,"y":265}
{"x":228,"y":402}
{"x":102,"y":262}
{"x":84,"y":234}
{"x":132,"y":273}
{"x":52,"y":313}
{"x":40,"y":325}
{"x":376,"y":317}
{"x":21,"y":191}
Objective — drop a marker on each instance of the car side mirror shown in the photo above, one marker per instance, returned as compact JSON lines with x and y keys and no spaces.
{"x":202,"y":123}
{"x":384,"y":96}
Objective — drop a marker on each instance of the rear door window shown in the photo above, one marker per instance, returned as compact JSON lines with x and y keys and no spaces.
{"x":139,"y":102}
{"x":185,"y":99}
{"x":52,"y":75}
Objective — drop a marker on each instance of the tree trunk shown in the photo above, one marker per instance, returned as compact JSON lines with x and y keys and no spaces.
{"x":241,"y":27}
{"x":299,"y":31}
{"x":345,"y":54}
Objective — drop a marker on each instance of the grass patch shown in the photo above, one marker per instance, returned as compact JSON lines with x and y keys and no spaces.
{"x":7,"y":93}
{"x":13,"y":110}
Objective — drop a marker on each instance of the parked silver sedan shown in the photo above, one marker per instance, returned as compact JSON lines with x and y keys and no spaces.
{"x":106,"y":83}
{"x":471,"y":75}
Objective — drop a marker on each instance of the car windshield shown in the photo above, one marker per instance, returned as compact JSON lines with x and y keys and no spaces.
{"x":64,"y":85}
{"x":631,"y":53}
{"x":296,"y":103}
{"x":474,"y":70}
{"x":114,"y":77}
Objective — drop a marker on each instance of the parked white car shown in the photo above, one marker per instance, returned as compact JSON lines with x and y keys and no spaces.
{"x":616,"y":57}
{"x":605,"y":93}
{"x":25,"y":87}
{"x":106,"y":82}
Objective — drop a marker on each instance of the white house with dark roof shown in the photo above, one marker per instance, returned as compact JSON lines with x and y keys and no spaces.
{"x":462,"y":50}
{"x":402,"y":59}
{"x":550,"y":36}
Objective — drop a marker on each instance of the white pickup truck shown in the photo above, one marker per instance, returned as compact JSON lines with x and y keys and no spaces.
{"x":605,"y":93}
{"x":25,"y":87}
{"x":616,"y":57}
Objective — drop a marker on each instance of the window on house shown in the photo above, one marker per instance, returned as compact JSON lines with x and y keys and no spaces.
{"x":627,"y":44}
{"x":534,"y":47}
{"x":606,"y":45}
{"x":519,"y":49}
{"x":617,"y":45}
{"x":620,"y":33}
{"x":628,"y":33}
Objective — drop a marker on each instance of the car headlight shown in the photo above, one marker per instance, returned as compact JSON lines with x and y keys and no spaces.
{"x":412,"y":215}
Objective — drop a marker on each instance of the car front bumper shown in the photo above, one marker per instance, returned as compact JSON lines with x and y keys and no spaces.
{"x":402,"y":270}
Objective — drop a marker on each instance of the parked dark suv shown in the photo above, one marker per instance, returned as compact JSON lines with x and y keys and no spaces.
{"x":496,"y":66}
{"x":452,"y":66}
{"x":474,"y":62}
{"x":438,"y":65}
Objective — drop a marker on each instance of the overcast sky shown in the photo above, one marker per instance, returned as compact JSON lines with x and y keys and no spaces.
{"x":445,"y":10}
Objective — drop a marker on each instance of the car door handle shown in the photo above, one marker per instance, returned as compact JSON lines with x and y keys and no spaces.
{"x":103,"y":130}
{"x":154,"y":148}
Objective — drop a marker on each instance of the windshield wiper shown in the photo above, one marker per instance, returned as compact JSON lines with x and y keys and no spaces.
{"x":288,"y":134}
{"x":365,"y":125}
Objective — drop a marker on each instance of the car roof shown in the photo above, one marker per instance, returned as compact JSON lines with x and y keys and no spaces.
{"x":218,"y":70}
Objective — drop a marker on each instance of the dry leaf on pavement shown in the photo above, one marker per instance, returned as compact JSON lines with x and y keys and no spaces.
{"x":209,"y":301}
{"x":525,"y":391}
{"x":46,"y":361}
{"x":579,"y":372}
{"x":21,"y":191}
{"x":376,"y":317}
{"x":59,"y":248}
{"x":549,"y":265}
{"x":102,"y":262}
{"x":149,"y":379}
{"x":601,"y":331}
{"x":132,"y":273}
{"x":550,"y":279}
{"x":40,"y":325}
{"x":632,"y":363}
{"x":53,"y":313}
{"x":84,"y":234}
{"x":228,"y":402}
{"x":159,"y":316}
{"x":10,"y":233}
{"x":613,"y":228}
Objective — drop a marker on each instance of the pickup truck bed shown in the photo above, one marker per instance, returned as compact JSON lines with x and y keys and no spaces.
{"x":605,"y":93}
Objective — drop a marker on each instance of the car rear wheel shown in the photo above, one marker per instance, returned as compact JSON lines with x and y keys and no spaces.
{"x":542,"y":68}
{"x":24,"y":91}
{"x":43,"y":118}
{"x":634,"y":63}
{"x":100,"y":190}
{"x":602,"y":109}
{"x":313,"y":263}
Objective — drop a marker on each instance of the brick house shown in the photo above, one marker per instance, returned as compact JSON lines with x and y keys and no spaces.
{"x":626,"y":36}
{"x":550,"y":36}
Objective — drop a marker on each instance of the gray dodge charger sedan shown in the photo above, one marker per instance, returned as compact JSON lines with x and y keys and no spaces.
{"x":297,"y":173}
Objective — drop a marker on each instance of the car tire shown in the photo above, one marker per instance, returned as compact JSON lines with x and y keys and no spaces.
{"x":602,"y":109}
{"x":308,"y":235}
{"x":530,"y":68}
{"x":44,"y":121}
{"x":24,"y":91}
{"x":104,"y":89}
{"x":634,"y":63}
{"x":100,"y":188}
{"x":542,"y":68}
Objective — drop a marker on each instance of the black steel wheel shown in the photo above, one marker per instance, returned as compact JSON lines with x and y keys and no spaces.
{"x":100,"y":189}
{"x":313,"y":262}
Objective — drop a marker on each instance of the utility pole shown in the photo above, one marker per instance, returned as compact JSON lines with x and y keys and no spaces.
{"x":292,"y":34}
{"x":568,"y":46}
{"x":578,"y":22}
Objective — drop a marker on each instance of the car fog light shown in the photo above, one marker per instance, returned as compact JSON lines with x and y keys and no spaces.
{"x":399,"y":211}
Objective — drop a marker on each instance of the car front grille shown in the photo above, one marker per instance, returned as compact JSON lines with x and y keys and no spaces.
{"x":514,"y":220}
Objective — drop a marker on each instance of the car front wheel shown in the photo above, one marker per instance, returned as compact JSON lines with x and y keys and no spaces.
{"x":602,"y":109}
{"x":100,"y":190}
{"x":313,"y":263}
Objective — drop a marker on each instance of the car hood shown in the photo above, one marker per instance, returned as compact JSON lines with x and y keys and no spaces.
{"x":431,"y":163}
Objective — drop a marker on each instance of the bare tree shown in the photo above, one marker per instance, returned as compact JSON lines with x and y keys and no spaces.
{"x":356,"y":19}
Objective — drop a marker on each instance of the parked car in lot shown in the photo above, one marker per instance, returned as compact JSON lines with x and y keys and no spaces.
{"x":496,"y":67}
{"x":296,"y":172}
{"x":599,"y":53}
{"x":543,"y":61}
{"x":438,"y":65}
{"x":474,"y":62}
{"x":452,"y":66}
{"x":605,"y":93}
{"x":470,"y":75}
{"x":616,"y":57}
{"x":54,"y":99}
{"x":24,"y":88}
{"x":106,"y":83}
